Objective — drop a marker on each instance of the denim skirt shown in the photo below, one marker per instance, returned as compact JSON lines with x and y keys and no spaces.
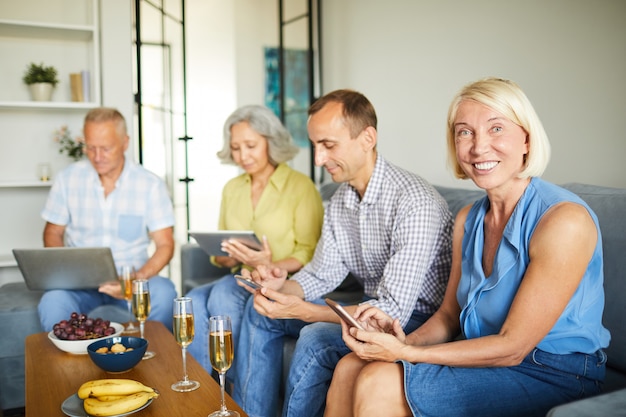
{"x":543,"y":380}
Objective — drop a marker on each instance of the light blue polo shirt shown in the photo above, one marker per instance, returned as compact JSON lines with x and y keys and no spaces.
{"x":139,"y":204}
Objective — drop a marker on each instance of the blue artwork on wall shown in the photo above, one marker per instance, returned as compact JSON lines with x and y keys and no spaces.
{"x":296,"y":90}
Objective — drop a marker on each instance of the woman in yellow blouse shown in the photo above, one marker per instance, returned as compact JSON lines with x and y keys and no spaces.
{"x":282,"y":206}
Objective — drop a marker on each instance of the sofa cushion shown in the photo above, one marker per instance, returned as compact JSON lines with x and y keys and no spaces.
{"x":457,"y":200}
{"x":196,"y":267}
{"x":607,"y":203}
{"x":608,"y":405}
{"x":18,"y":319}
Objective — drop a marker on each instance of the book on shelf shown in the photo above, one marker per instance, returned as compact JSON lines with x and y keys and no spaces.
{"x":76,"y":86}
{"x":86,"y":85}
{"x":80,"y":85}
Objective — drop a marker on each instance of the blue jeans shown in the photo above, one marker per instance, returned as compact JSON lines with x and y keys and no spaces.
{"x":57,"y":305}
{"x":542,"y":381}
{"x":222,"y":297}
{"x":259,"y":363}
{"x":317,"y":352}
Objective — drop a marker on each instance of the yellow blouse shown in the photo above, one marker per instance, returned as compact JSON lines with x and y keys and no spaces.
{"x":290,"y":212}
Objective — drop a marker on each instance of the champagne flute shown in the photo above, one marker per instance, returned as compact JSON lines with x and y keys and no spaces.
{"x":126,"y":278}
{"x":184,"y":333}
{"x":141,"y":307}
{"x":221,"y":353}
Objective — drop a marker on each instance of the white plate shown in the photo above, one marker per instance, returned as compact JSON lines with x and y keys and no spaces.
{"x":73,"y":407}
{"x":79,"y":347}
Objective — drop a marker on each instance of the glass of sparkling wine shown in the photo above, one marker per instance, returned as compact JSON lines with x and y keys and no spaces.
{"x":127,"y":275}
{"x":141,"y":307}
{"x":184,"y":333}
{"x":221,"y":353}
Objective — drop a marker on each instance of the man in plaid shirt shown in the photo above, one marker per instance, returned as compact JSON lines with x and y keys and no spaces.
{"x":385,"y":226}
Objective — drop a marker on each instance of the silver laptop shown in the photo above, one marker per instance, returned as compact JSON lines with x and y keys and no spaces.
{"x":65,"y":268}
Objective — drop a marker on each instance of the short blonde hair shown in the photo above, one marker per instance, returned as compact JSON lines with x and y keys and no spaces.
{"x":508,"y":99}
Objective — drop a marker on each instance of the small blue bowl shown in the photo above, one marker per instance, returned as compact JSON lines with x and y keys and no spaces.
{"x":121,"y":361}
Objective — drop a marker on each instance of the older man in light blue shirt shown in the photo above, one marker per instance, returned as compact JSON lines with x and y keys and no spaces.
{"x":109,"y":201}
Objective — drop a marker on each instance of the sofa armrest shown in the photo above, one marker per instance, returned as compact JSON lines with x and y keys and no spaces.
{"x":606,"y":405}
{"x":196,"y":268}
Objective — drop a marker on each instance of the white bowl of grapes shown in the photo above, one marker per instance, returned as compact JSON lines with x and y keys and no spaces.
{"x":79,"y":331}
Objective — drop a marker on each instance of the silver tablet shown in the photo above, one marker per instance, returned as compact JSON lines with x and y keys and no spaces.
{"x":211,"y":242}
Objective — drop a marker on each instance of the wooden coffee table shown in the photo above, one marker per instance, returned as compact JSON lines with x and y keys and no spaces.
{"x":53,"y":375}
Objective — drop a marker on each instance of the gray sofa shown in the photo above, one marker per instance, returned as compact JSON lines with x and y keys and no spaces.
{"x":610,"y":206}
{"x":18,"y":305}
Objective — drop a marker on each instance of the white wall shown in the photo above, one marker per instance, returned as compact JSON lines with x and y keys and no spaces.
{"x":225,"y":70}
{"x":256,"y":23}
{"x":116,"y":58}
{"x":211,"y":97}
{"x":410,"y":57}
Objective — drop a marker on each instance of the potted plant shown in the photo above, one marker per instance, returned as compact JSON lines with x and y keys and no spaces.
{"x":41,"y":80}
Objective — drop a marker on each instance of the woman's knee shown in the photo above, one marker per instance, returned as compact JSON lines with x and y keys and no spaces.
{"x":346,"y":372}
{"x":375,"y":374}
{"x":349,"y":367}
{"x":383,"y":378}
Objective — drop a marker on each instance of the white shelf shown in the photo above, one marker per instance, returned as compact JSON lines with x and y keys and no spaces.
{"x":7,"y":260}
{"x":50,"y":105}
{"x":25,"y":184}
{"x":36,"y":30}
{"x":64,"y":34}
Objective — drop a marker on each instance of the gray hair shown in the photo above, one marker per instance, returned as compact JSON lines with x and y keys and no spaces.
{"x":262,"y":120}
{"x":107,"y":114}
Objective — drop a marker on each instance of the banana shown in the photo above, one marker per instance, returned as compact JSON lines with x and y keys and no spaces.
{"x":110,"y":397}
{"x":97,"y":408}
{"x":107,"y":387}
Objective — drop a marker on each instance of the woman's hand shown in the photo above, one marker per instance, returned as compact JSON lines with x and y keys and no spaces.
{"x":373,"y":345}
{"x":226,"y":261}
{"x":244,"y":255}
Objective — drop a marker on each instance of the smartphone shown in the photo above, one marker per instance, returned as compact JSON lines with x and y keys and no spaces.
{"x":248,"y":282}
{"x":341,"y":312}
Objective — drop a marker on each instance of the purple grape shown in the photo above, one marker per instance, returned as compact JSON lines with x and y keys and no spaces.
{"x":82,"y":327}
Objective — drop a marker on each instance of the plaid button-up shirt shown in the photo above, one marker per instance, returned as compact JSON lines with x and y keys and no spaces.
{"x":396,"y":241}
